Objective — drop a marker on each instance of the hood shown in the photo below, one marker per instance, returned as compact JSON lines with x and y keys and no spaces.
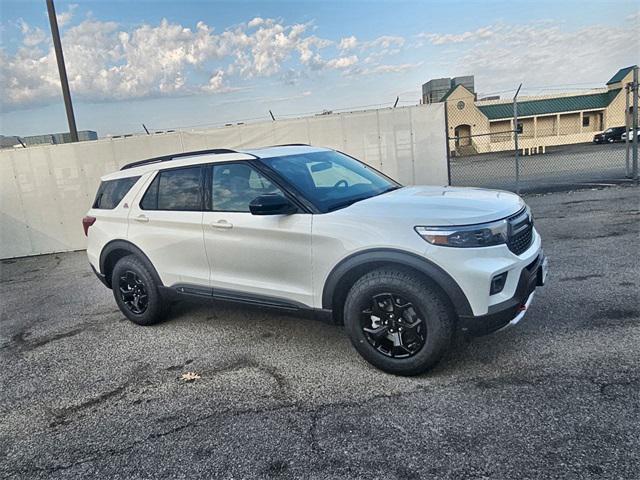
{"x":440,"y":206}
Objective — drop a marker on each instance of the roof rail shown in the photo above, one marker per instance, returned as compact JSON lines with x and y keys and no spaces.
{"x":290,"y":145}
{"x":281,"y":145}
{"x":173,"y":156}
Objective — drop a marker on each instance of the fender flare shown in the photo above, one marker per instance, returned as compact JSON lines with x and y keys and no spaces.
{"x":134,"y":250}
{"x":398,"y":257}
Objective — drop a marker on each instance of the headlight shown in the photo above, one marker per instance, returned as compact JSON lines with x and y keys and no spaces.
{"x":481,"y":235}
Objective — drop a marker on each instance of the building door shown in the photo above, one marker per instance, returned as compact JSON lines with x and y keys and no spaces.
{"x":463,"y":135}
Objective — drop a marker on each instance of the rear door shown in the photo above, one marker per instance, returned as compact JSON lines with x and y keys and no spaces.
{"x":166,"y":223}
{"x":264,"y":257}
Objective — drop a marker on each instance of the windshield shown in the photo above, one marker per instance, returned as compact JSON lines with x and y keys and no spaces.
{"x":330,"y":180}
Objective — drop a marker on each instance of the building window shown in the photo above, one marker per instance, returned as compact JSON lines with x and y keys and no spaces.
{"x":585,"y":121}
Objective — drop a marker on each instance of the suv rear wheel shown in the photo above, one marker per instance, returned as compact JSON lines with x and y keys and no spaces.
{"x":398,"y":321}
{"x":136,"y":292}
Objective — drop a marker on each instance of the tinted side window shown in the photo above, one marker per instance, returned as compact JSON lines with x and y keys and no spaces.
{"x":111,"y":192}
{"x":150,"y":199}
{"x":234,"y":185}
{"x":179,"y":189}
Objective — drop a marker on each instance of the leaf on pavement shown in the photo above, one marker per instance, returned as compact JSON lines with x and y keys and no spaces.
{"x":190,"y":376}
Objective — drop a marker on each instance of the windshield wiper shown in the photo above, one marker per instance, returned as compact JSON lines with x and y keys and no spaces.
{"x":346,"y":203}
{"x":351,"y":201}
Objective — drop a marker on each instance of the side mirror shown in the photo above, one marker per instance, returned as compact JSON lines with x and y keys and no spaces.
{"x":271,"y":204}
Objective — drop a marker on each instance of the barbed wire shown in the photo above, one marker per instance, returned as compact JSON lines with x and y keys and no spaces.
{"x":527,"y":91}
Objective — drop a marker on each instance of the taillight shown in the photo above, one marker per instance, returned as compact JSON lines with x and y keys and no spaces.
{"x":86,"y":223}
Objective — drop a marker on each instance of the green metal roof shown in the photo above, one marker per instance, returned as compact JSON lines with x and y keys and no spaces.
{"x":546,"y":106}
{"x":620,"y":75}
{"x":449,"y":92}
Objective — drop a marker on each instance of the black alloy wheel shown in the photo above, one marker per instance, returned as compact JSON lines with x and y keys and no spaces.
{"x":133,"y":292}
{"x":398,"y":320}
{"x":394,"y":326}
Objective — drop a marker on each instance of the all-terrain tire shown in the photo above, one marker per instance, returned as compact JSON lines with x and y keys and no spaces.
{"x":139,"y":278}
{"x":431,"y":303}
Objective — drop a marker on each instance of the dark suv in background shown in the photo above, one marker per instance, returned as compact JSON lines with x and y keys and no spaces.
{"x":610,"y":135}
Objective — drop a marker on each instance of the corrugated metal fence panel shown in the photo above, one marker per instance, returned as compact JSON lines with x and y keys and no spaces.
{"x":45,"y":191}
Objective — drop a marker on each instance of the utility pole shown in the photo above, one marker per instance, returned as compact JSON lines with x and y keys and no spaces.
{"x":66,"y":94}
{"x":515,"y":138}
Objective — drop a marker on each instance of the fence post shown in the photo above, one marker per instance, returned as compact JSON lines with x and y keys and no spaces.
{"x":634,"y":124}
{"x":515,"y":138}
{"x":446,"y":139}
{"x":627,"y":126}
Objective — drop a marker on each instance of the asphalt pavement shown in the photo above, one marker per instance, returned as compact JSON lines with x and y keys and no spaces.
{"x":87,"y":394}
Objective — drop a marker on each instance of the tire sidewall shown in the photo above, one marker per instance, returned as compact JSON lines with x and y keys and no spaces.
{"x":155,"y":305}
{"x":433,"y":311}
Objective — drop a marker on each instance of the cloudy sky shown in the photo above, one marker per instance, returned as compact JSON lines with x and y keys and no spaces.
{"x":185,"y":64}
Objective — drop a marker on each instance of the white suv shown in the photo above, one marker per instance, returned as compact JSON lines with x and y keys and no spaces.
{"x":311,"y":229}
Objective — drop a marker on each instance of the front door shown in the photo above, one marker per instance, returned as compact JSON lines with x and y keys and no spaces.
{"x":261,"y":256}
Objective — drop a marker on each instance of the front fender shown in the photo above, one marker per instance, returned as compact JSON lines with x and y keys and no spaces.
{"x":395,"y":257}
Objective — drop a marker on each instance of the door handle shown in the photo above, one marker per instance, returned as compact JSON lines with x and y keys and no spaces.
{"x":222,"y":224}
{"x":142,"y":219}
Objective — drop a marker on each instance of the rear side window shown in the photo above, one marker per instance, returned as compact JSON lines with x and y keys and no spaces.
{"x":178,"y":189}
{"x":111,"y":192}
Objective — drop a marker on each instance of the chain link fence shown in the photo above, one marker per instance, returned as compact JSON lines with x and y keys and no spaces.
{"x":528,"y":143}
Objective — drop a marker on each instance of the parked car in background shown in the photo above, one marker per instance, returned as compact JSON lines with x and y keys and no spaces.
{"x":624,"y":135}
{"x":309,"y":229}
{"x":610,"y":135}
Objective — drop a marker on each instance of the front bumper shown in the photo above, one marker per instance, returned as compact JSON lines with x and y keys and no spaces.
{"x":511,"y":311}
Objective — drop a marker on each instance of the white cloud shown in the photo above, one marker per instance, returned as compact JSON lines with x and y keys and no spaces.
{"x":443,"y":39}
{"x":31,"y":36}
{"x":348,"y":43}
{"x":380,"y":69}
{"x":65,"y":17}
{"x":385,"y":42}
{"x":342,"y":62}
{"x":216,"y":82}
{"x":400,"y":68}
{"x":543,"y":56}
{"x":256,"y":22}
{"x":106,"y":61}
{"x":538,"y":54}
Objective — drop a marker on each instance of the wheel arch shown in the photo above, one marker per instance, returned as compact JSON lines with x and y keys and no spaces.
{"x":117,"y":249}
{"x":345,"y":273}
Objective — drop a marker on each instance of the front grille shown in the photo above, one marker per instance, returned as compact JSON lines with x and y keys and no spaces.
{"x":520,"y":232}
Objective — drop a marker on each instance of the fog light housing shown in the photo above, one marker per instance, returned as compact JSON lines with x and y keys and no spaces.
{"x":497,"y":283}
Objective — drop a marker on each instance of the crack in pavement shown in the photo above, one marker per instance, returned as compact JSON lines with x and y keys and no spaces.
{"x":316,"y":412}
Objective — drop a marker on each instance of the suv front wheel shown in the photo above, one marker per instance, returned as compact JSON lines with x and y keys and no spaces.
{"x":398,"y":321}
{"x":136,"y":292}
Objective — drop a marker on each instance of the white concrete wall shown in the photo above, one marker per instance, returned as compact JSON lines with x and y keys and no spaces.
{"x":45,"y":191}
